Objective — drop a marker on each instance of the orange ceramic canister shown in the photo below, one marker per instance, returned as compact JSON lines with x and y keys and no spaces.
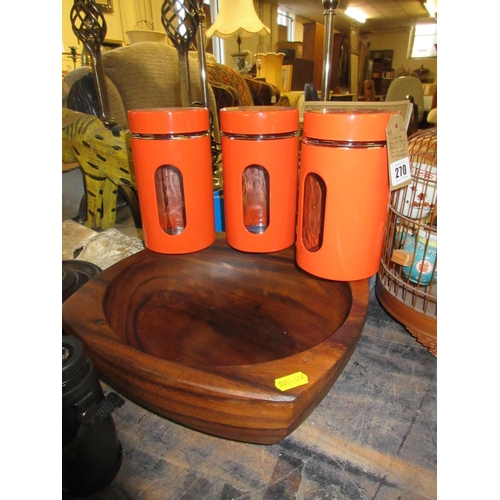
{"x":260,"y":146}
{"x":173,"y":168}
{"x":343,"y":193}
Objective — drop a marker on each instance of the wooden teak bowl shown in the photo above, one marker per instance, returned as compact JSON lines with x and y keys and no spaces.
{"x":202,"y":338}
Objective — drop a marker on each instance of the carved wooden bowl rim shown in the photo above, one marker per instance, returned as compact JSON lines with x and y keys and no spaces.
{"x":186,"y":394}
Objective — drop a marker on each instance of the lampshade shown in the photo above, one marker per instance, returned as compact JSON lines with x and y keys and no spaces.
{"x":237,"y":17}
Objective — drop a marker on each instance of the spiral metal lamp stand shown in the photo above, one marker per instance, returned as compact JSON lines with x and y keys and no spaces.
{"x":89,"y":26}
{"x":201,"y":53}
{"x":181,"y":24}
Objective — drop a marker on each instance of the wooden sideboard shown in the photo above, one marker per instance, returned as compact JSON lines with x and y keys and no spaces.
{"x":302,"y":72}
{"x":313,"y":50}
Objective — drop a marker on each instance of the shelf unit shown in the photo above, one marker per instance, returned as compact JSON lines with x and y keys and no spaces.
{"x":382,"y":70}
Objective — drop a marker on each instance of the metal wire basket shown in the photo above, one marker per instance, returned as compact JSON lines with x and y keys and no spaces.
{"x":407,"y":279}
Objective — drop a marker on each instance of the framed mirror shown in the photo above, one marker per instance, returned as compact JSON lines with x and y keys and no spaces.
{"x":105,"y":5}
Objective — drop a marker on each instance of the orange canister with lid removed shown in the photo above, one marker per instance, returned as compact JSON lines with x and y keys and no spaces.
{"x":343,"y":193}
{"x":173,"y":168}
{"x":260,"y":147}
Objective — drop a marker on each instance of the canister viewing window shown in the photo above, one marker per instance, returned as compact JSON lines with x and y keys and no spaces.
{"x":313,"y":212}
{"x":170,"y":199}
{"x":255,"y":186}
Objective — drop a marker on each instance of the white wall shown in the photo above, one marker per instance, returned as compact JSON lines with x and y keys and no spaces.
{"x":399,"y":41}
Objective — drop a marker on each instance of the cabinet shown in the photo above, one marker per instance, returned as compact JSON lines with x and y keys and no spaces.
{"x":292,"y":50}
{"x":354,"y":60}
{"x":313,"y":50}
{"x":302,"y":73}
{"x":302,"y":69}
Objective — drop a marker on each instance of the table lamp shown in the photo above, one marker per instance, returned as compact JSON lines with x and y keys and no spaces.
{"x":237,"y":17}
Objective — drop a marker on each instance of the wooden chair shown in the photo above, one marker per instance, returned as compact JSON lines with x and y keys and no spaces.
{"x":369,"y":90}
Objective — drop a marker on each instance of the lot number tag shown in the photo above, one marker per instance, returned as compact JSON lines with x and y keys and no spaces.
{"x":290,"y":381}
{"x":397,"y":152}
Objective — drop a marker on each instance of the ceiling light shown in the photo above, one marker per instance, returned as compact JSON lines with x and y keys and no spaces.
{"x":355,"y":13}
{"x":431,"y":6}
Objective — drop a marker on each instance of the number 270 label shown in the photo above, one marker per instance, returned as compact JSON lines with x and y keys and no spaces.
{"x":400,"y":172}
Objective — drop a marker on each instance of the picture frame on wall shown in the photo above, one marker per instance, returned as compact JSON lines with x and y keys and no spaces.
{"x":105,"y":5}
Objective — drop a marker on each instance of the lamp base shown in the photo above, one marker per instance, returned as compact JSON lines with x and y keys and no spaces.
{"x":240,"y":61}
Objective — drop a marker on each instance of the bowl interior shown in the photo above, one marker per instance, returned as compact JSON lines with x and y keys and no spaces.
{"x":221,"y":308}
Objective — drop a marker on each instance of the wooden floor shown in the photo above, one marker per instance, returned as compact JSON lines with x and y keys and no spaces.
{"x":372,"y":437}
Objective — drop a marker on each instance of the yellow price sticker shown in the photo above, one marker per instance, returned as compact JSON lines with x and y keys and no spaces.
{"x":290,"y":381}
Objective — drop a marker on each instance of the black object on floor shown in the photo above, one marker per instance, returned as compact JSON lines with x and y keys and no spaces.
{"x":91,"y":451}
{"x":75,"y":273}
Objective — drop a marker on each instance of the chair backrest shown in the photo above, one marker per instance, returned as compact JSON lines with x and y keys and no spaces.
{"x":146,"y":75}
{"x":369,"y":90}
{"x":225,"y":75}
{"x":405,"y":86}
